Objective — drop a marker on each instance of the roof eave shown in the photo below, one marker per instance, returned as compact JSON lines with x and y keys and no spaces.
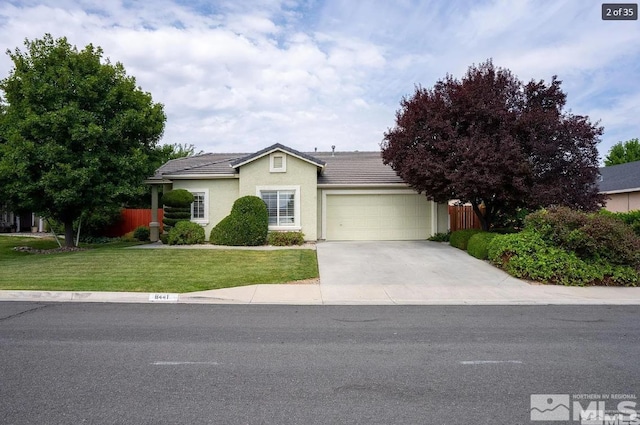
{"x":320,"y":164}
{"x":360,"y":185}
{"x":613,"y":192}
{"x":200,"y":176}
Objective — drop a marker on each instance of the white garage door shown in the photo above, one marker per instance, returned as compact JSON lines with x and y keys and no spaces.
{"x":377,"y":217}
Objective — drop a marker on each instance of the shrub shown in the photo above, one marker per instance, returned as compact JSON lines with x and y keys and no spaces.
{"x":526,"y":255}
{"x":177,"y":198}
{"x":177,"y":207}
{"x":460,"y":238}
{"x":479,"y":244}
{"x":141,"y":233}
{"x":285,"y":238}
{"x":440,"y":237}
{"x":186,"y":233}
{"x":246,"y":225}
{"x":164,"y":238}
{"x":632,"y":218}
{"x":592,"y":237}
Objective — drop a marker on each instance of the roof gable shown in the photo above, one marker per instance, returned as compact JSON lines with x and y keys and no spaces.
{"x":273,"y":148}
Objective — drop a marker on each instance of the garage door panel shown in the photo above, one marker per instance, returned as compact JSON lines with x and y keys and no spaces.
{"x":378,"y":217}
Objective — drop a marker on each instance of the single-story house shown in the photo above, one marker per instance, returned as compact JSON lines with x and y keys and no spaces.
{"x":326,"y":195}
{"x":621,"y":184}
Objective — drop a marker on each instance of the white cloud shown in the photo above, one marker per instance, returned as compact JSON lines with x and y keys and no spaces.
{"x":240,"y":75}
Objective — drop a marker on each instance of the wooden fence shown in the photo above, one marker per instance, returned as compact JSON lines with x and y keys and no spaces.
{"x":132,"y":218}
{"x":463,"y":217}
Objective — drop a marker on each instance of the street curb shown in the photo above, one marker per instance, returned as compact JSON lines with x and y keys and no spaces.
{"x":264,"y":295}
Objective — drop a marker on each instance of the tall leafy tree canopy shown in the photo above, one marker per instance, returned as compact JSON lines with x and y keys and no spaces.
{"x":76,"y":131}
{"x":491,"y":139}
{"x":623,"y":152}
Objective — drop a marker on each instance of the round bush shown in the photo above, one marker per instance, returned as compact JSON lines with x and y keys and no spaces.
{"x":460,"y":238}
{"x":141,"y":233}
{"x":186,"y":233}
{"x":246,"y":225}
{"x":177,"y":198}
{"x":478,"y":244}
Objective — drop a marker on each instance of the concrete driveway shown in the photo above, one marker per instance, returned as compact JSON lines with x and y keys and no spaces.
{"x":407,"y":272}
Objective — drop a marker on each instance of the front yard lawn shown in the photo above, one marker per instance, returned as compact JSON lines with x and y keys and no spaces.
{"x":111,"y":267}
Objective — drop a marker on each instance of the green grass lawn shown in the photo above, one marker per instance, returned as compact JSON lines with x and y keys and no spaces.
{"x":112,"y":267}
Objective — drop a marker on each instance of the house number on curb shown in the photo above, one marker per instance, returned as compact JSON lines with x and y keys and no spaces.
{"x":163,"y":298}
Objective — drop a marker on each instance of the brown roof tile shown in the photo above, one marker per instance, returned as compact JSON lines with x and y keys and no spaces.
{"x":341,"y":168}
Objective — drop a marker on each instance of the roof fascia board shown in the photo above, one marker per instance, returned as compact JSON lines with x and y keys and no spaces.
{"x":201,"y":176}
{"x":278,"y":149}
{"x":613,"y":192}
{"x":361,"y":185}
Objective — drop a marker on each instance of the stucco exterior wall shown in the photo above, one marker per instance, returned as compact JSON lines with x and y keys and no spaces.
{"x":623,"y":202}
{"x":220,"y":194}
{"x":298,"y":173}
{"x":442,"y":224}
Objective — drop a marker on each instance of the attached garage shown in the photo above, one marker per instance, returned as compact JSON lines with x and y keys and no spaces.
{"x":376,"y":215}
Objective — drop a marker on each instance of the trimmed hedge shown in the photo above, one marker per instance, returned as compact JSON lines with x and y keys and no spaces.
{"x":460,"y":238}
{"x":177,"y":198}
{"x":177,"y":207}
{"x":186,"y":233}
{"x":478,"y":244}
{"x":285,"y":238}
{"x":527,"y":255}
{"x":246,"y":225}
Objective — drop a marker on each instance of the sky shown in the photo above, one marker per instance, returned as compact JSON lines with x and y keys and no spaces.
{"x":240,"y":75}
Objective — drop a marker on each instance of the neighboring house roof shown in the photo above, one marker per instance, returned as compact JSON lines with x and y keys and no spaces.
{"x":273,"y":148}
{"x":620,"y":178}
{"x":339,"y":168}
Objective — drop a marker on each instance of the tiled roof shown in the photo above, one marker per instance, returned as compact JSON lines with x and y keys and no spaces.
{"x":205,"y":164}
{"x":620,"y":177}
{"x":355,"y":168}
{"x":341,"y":168}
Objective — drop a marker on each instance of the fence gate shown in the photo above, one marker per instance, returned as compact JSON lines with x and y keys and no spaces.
{"x":463,"y":217}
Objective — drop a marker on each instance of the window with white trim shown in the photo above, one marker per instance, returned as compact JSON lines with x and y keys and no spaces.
{"x":281,"y":206}
{"x":278,"y":163}
{"x":197,"y":207}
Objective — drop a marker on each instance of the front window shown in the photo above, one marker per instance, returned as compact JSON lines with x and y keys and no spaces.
{"x":281,"y":206}
{"x":197,"y":207}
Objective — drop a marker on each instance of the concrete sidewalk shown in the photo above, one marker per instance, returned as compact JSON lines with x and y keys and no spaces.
{"x":371,"y":294}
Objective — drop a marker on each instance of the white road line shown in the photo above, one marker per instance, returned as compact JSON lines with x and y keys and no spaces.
{"x":472,"y":362}
{"x":184,"y":363}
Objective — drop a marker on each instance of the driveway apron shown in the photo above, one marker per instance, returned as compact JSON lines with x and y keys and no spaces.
{"x":406,"y":271}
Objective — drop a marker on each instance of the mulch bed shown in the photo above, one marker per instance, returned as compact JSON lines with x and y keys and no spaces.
{"x":47,"y":251}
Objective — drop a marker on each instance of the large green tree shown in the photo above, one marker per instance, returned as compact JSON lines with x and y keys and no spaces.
{"x":623,"y":152}
{"x":76,"y":132}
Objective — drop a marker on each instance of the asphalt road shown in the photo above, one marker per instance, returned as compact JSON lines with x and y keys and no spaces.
{"x":189,"y":364}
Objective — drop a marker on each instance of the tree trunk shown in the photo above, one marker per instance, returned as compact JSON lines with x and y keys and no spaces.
{"x":485,"y":221}
{"x":68,"y":233}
